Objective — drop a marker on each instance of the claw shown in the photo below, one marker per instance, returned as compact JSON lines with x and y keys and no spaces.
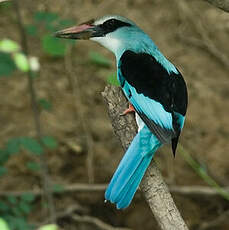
{"x":129,"y":110}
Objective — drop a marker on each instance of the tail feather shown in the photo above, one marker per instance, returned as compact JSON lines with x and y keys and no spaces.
{"x":127,"y":194}
{"x":129,"y":163}
{"x":132,"y":168}
{"x":123,"y":191}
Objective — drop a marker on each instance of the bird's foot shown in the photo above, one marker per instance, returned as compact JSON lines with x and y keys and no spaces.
{"x":129,"y":110}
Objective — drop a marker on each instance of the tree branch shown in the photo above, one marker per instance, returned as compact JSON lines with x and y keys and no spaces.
{"x":215,"y":222}
{"x":221,"y":4}
{"x":95,"y":221}
{"x":36,"y":116}
{"x":77,"y":94}
{"x":153,"y":187}
{"x":193,"y":190}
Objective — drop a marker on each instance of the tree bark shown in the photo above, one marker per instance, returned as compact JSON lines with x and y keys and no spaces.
{"x":153,"y":187}
{"x":221,"y":4}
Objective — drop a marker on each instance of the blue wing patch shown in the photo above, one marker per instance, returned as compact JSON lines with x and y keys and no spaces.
{"x":152,"y":113}
{"x":159,"y":96}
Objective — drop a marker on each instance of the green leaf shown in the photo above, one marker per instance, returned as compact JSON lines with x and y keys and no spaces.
{"x":7,"y":65}
{"x":17,"y":223}
{"x":4,"y":156}
{"x":9,"y":46}
{"x":28,"y":197}
{"x":25,"y":207}
{"x":12,"y":199}
{"x":46,"y":17}
{"x":99,"y":59}
{"x":49,"y":142}
{"x":16,"y":211}
{"x":32,"y":145}
{"x":31,"y":30}
{"x":34,"y":166}
{"x":4,"y":207}
{"x":49,"y":227}
{"x":58,"y":188}
{"x":4,"y":6}
{"x":112,"y":79}
{"x":3,"y":224}
{"x":13,"y":146}
{"x":3,"y":171}
{"x":21,"y":61}
{"x":46,"y":105}
{"x":54,"y":46}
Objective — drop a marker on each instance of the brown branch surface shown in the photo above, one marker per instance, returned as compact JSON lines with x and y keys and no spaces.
{"x":153,"y":186}
{"x":221,"y":4}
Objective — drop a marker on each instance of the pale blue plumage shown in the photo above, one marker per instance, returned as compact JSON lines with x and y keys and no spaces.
{"x":134,"y":39}
{"x":151,"y":108}
{"x":136,"y":160}
{"x":180,"y":119}
{"x":154,"y":87}
{"x":131,"y":169}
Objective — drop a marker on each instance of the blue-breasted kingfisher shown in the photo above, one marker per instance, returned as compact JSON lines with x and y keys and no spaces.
{"x":155,"y":89}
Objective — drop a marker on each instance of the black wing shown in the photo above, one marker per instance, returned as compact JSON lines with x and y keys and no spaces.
{"x":148,"y":77}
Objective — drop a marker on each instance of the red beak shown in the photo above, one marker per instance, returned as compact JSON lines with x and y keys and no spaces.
{"x":83,"y":31}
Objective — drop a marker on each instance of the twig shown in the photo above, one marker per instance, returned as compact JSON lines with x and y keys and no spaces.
{"x":66,"y":189}
{"x":205,"y":42}
{"x":207,"y":46}
{"x":194,"y":190}
{"x":221,"y":4}
{"x":95,"y":221}
{"x":76,"y":92}
{"x":153,"y":187}
{"x":67,"y":212}
{"x":216,"y":222}
{"x":36,"y":115}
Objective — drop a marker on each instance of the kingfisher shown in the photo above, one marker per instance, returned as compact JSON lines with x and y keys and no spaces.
{"x":155,"y":89}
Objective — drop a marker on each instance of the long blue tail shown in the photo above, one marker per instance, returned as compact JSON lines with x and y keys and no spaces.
{"x":131,"y":169}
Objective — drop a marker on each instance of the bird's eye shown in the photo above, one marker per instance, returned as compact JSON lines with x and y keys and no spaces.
{"x":110,"y":23}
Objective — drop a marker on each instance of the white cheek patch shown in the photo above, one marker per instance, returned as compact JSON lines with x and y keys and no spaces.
{"x":110,"y":43}
{"x":103,"y":19}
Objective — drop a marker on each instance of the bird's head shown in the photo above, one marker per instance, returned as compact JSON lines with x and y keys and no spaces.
{"x":114,"y":32}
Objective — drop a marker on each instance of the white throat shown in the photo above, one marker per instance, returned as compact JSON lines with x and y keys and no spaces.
{"x":112,"y":44}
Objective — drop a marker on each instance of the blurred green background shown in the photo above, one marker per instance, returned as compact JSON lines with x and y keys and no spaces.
{"x":58,"y":152}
